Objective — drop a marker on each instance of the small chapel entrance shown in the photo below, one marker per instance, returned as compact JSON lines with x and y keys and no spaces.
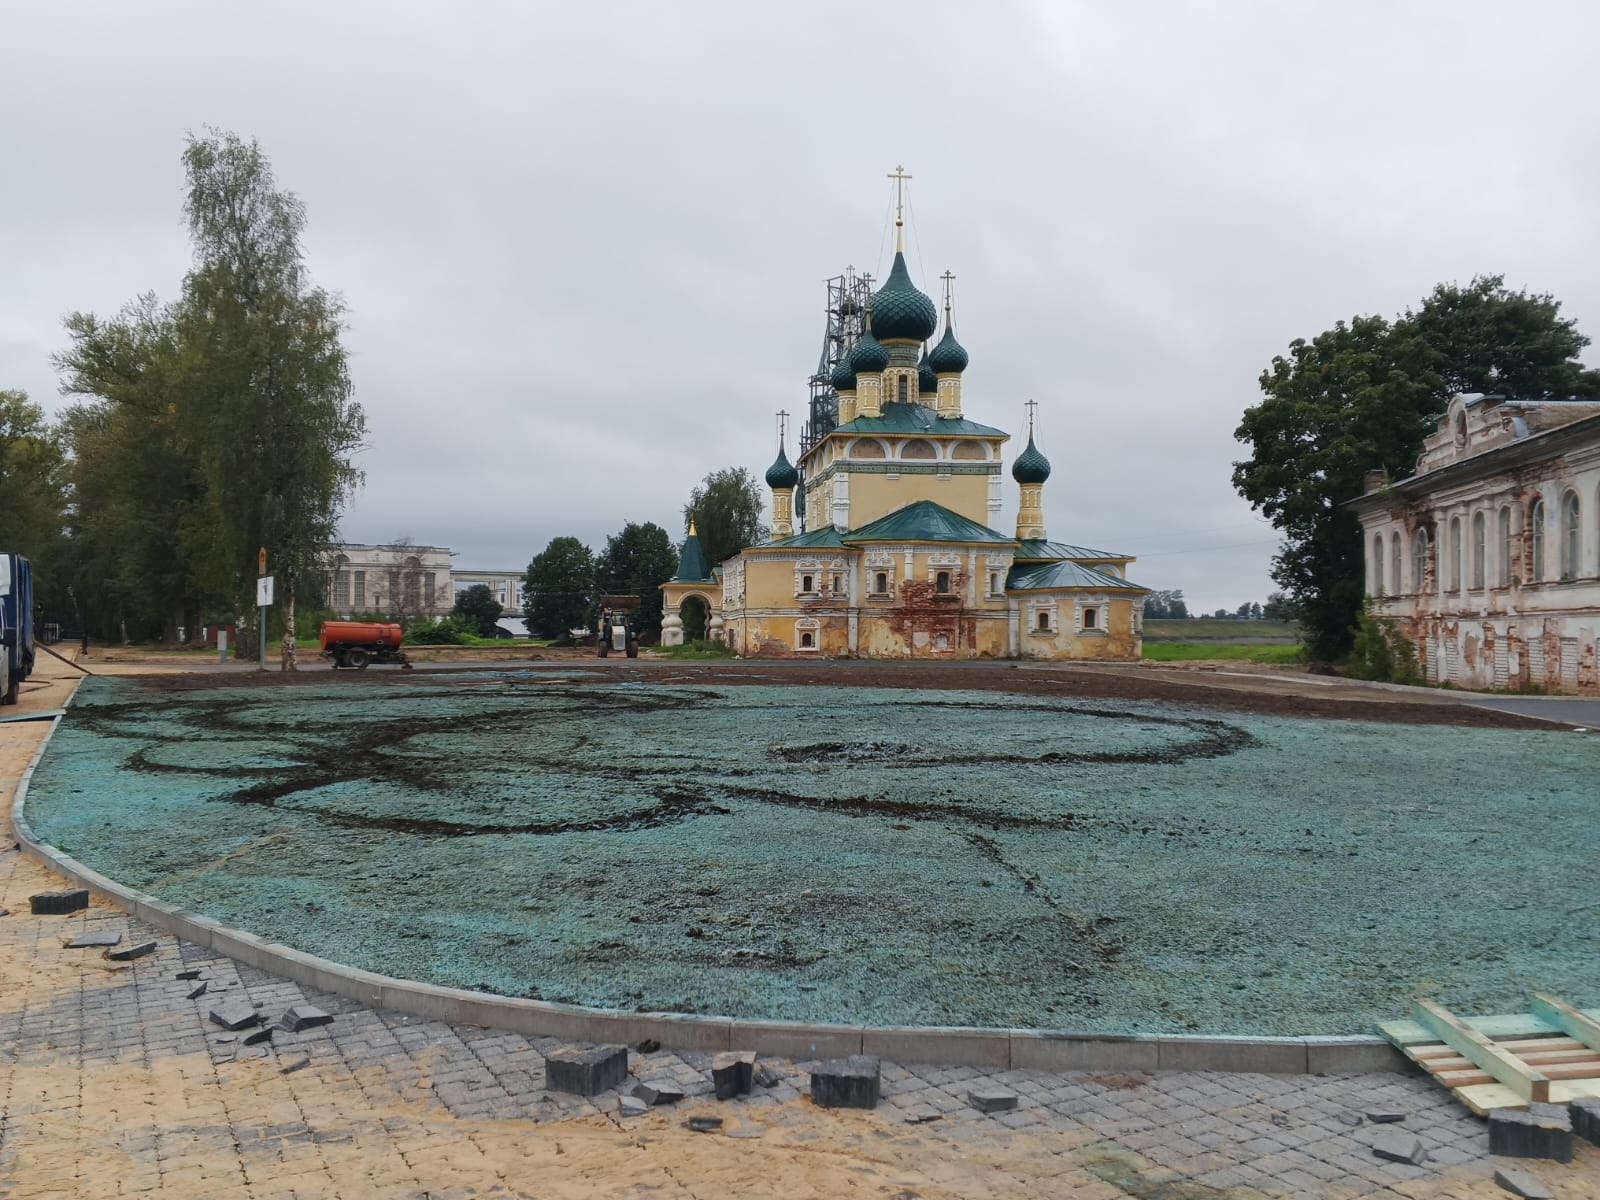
{"x":696,"y":615}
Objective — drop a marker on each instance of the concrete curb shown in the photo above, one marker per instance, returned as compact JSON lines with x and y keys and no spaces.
{"x":1015,"y":1049}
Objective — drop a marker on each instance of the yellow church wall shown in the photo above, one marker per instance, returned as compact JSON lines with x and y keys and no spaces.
{"x":1113,"y":641}
{"x":876,"y":495}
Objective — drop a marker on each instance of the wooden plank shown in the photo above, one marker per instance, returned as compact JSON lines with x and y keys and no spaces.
{"x":1563,"y":1016}
{"x":1530,"y":1085}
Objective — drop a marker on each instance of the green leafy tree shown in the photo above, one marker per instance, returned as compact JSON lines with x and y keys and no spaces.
{"x":217,"y":425}
{"x":478,"y":610}
{"x":1484,"y":338}
{"x":33,"y":483}
{"x":725,"y":509}
{"x":273,"y":418}
{"x":135,"y":478}
{"x":1279,"y":608}
{"x":637,"y":561}
{"x":559,"y":592}
{"x":1380,"y":652}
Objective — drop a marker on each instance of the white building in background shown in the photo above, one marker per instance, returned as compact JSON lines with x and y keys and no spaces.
{"x":400,"y":581}
{"x":505,"y":585}
{"x":1489,"y":556}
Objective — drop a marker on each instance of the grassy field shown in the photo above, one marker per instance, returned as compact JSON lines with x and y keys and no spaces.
{"x":1233,"y":651}
{"x":1227,"y":631}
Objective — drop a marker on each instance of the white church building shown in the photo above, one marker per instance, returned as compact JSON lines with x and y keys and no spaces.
{"x":1489,"y":556}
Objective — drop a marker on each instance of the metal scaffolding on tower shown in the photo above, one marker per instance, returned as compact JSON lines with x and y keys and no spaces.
{"x":848,"y":296}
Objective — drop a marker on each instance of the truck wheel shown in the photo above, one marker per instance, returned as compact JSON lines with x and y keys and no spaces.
{"x":356,"y":658}
{"x":605,"y":647}
{"x":633,"y":648}
{"x":12,"y":685}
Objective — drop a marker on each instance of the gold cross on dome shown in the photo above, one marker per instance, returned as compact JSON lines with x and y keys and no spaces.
{"x":949,"y":280}
{"x":900,"y":177}
{"x":1031,"y":405}
{"x":783,"y":426}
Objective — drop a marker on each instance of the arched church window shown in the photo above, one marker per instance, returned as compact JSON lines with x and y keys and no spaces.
{"x":880,"y":583}
{"x":1419,"y":559}
{"x":807,"y":641}
{"x":994,"y":583}
{"x":1504,"y":573}
{"x":805,"y":583}
{"x":1571,"y":514}
{"x":1091,"y":618}
{"x":1377,"y":565}
{"x":901,"y":389}
{"x":1455,"y":554}
{"x":1478,"y":535}
{"x":1394,"y":563}
{"x":1537,"y":521}
{"x":1044,"y":622}
{"x":941,"y":583}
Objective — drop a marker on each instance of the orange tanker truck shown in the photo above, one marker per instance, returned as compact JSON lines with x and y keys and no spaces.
{"x":354,"y":644}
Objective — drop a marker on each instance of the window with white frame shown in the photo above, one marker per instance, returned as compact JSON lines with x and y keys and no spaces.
{"x":941,"y":582}
{"x":1419,"y":560}
{"x":1454,"y":584}
{"x":1503,"y":574}
{"x":1571,"y":515}
{"x":1478,"y":537}
{"x":359,"y":579}
{"x":1091,"y":618}
{"x":1377,"y":565}
{"x":1041,"y":621}
{"x":1537,"y":522}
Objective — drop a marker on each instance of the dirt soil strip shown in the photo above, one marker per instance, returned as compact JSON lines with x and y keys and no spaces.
{"x":1267,"y":695}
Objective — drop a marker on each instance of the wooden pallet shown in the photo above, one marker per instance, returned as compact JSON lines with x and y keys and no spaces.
{"x":1549,"y":1055}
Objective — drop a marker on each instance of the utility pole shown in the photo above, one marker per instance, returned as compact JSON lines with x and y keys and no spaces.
{"x":263,"y":599}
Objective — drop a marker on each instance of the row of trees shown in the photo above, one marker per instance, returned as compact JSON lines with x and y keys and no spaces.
{"x":205,"y":429}
{"x":1362,"y":396}
{"x":566,"y":580}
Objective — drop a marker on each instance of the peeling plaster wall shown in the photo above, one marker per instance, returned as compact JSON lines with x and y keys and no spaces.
{"x":1495,"y":618}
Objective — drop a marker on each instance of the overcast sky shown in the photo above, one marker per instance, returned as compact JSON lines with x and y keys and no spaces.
{"x":583,"y":245}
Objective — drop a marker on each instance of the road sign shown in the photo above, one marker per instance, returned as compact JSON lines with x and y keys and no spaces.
{"x":261,"y":561}
{"x":264,"y":591}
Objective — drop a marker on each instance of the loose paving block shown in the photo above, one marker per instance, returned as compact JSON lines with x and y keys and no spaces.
{"x":1538,"y":1131}
{"x":585,"y":1072}
{"x":298,"y":1064}
{"x":1585,"y":1118}
{"x":191,"y":973}
{"x":303,"y":1016}
{"x":95,"y":937}
{"x":658,"y":1091}
{"x":704,"y":1124}
{"x":235,"y":1014}
{"x":768,"y":1078}
{"x":259,"y":1036}
{"x":632,"y":1106}
{"x":1385,"y":1116}
{"x":1520,"y":1183}
{"x":922,"y":1118}
{"x":129,"y":953}
{"x":992,"y":1101}
{"x":846,"y":1082}
{"x":58,"y":904}
{"x":733,"y":1072}
{"x":1398,"y":1146}
{"x":197,"y":993}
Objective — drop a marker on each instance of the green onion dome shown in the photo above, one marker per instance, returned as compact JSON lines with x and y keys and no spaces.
{"x":782,"y":474}
{"x":899,"y":310}
{"x":868,"y":354}
{"x":1031,"y":466}
{"x":949,"y":355}
{"x":842,"y":377}
{"x":927,"y":381}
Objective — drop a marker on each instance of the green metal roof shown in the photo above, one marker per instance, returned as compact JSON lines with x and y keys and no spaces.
{"x":917,"y":418}
{"x":827,"y":538}
{"x":925,"y":521}
{"x":1039,"y":550}
{"x":692,"y":563}
{"x":1039,"y":577}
